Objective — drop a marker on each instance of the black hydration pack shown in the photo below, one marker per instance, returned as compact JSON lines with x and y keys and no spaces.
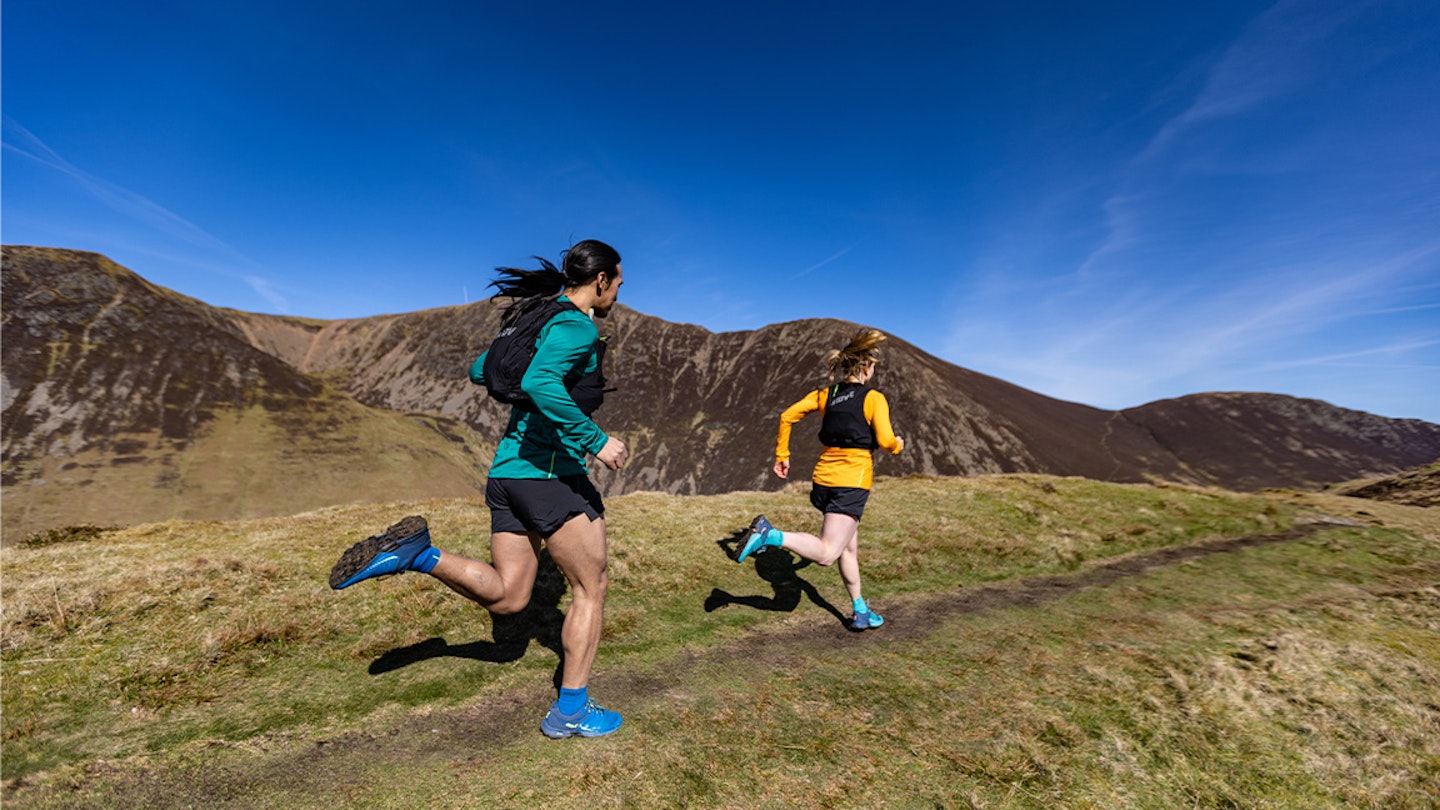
{"x":509,"y":357}
{"x":843,"y":424}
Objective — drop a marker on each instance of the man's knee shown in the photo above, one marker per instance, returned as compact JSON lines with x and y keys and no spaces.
{"x":592,"y":587}
{"x":509,"y":606}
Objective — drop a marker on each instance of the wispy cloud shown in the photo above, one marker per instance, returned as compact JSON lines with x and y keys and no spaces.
{"x":1340,"y":358}
{"x":812,"y":268}
{"x":1185,"y":283}
{"x":1269,"y":58}
{"x":266,"y":289}
{"x":1275,"y":55}
{"x":1300,"y":300}
{"x":120,"y":199}
{"x":1123,"y":230}
{"x":1135,"y":345}
{"x":22,"y":142}
{"x":1397,"y":310}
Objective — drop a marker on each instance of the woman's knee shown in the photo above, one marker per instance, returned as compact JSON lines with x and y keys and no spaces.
{"x":834,"y":549}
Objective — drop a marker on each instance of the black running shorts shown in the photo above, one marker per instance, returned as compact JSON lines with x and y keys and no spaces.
{"x":840,"y":500}
{"x":540,"y":505}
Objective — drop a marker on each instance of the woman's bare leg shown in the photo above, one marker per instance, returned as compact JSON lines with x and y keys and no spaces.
{"x":850,"y":566}
{"x":837,"y":533}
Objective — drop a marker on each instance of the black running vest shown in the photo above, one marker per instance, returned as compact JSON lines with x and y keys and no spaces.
{"x":508,"y":358}
{"x":844,"y":424}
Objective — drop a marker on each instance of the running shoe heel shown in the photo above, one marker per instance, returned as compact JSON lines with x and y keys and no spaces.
{"x":759,"y":529}
{"x":868,"y":620}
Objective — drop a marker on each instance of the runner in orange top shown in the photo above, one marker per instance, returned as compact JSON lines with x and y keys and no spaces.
{"x":856,"y":422}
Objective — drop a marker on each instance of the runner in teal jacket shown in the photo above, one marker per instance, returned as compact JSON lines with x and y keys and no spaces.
{"x":554,"y":442}
{"x":538,"y":492}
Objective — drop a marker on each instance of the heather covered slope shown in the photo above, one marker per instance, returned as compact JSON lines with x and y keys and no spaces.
{"x":125,"y":402}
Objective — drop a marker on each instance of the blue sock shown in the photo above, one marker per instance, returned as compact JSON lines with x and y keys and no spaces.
{"x":572,"y":700}
{"x":425,"y":562}
{"x":774,"y":537}
{"x":860,"y":606}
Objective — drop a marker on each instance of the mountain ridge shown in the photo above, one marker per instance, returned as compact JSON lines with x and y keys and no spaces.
{"x":100,"y":395}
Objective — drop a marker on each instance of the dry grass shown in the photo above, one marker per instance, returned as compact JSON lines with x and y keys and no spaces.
{"x":185,"y":663}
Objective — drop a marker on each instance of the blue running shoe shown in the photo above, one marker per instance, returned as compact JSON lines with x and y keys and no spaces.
{"x":759,"y":528}
{"x":868,"y":620}
{"x":388,"y":553}
{"x":593,"y":720}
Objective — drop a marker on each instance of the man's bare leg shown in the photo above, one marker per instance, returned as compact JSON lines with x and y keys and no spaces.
{"x":579,"y":549}
{"x":501,"y":587}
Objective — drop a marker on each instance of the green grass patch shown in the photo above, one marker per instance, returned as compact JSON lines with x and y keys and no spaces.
{"x":178,"y":663}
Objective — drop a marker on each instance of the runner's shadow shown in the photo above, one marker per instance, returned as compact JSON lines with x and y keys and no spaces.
{"x":776,"y":566}
{"x":540,"y":620}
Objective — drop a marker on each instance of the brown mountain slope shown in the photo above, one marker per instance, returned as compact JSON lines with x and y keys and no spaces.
{"x":1249,"y":441}
{"x":124,"y":401}
{"x":127,"y":402}
{"x":699,"y":408}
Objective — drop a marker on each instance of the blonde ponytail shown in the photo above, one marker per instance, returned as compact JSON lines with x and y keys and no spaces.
{"x":863,"y":351}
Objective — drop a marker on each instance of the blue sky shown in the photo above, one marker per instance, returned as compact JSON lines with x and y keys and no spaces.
{"x":1109,"y":203}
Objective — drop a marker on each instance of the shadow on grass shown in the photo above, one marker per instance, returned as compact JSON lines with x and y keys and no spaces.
{"x":777,"y":567}
{"x":539,"y":621}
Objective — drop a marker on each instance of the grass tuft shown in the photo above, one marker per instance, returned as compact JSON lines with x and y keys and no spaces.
{"x":65,"y":534}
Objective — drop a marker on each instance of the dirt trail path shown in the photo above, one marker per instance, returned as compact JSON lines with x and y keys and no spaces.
{"x":321,"y":773}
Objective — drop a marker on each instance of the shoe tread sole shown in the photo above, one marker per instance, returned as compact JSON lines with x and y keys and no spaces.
{"x":355,"y":558}
{"x":562,"y":733}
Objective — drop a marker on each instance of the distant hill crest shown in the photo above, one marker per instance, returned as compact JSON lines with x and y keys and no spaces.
{"x":126,"y":402}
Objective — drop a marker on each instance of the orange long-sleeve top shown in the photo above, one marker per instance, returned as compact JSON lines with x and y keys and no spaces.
{"x":840,"y":466}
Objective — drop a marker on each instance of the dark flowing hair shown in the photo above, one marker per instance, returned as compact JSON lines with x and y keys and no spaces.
{"x":578,"y":265}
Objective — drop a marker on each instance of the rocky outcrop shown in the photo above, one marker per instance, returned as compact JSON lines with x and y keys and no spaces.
{"x":1417,"y":487}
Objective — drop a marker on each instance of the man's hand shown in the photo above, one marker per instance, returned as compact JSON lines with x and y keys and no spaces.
{"x":782,"y":469}
{"x":613,"y":454}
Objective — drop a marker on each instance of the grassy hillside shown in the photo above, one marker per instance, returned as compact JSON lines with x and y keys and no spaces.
{"x":1049,"y":643}
{"x":251,"y":462}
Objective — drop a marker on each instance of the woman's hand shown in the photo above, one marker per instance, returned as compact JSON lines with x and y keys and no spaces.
{"x":782,"y":469}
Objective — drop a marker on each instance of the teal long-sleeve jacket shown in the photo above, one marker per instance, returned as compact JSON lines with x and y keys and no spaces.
{"x":554,"y":441}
